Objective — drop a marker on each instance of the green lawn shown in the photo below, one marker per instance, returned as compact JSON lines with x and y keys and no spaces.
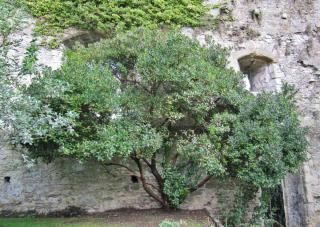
{"x":55,"y":222}
{"x":79,"y":222}
{"x":117,"y":218}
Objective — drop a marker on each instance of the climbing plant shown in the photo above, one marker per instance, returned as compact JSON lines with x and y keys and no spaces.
{"x":168,"y":106}
{"x":110,"y":15}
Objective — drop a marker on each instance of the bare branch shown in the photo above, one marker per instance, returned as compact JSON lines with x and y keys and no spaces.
{"x":147,"y":162}
{"x":200,"y":184}
{"x":123,"y":166}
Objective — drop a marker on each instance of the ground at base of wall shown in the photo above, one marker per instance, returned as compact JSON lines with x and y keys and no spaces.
{"x":116,"y":218}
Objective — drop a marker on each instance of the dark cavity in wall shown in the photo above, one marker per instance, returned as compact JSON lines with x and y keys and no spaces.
{"x":7,"y":179}
{"x":134,"y":179}
{"x":276,"y":207}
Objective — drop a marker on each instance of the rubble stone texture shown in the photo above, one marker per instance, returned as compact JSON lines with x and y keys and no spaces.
{"x":272,"y":42}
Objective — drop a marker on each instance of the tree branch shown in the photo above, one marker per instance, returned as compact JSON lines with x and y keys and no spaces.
{"x":155,"y":171}
{"x":153,"y":186}
{"x":147,"y":162}
{"x":200,"y":184}
{"x":153,"y":167}
{"x":123,"y":166}
{"x":145,"y":184}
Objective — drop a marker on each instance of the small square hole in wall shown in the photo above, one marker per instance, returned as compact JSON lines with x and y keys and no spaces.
{"x":134,"y":179}
{"x":7,"y":179}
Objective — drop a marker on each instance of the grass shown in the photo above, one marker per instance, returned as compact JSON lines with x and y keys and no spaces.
{"x":73,"y":222}
{"x":55,"y":222}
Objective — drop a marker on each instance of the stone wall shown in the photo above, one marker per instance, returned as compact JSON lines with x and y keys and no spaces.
{"x":48,"y":188}
{"x":286,"y":31}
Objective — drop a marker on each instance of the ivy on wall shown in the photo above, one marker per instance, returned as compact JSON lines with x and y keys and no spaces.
{"x":120,"y":14}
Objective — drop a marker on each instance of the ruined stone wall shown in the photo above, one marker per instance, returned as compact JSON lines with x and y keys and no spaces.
{"x":289,"y":32}
{"x":285,"y":31}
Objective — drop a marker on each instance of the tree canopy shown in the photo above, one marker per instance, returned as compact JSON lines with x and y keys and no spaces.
{"x":159,"y":102}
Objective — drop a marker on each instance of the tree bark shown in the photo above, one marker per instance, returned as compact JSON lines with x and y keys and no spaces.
{"x":145,"y":185}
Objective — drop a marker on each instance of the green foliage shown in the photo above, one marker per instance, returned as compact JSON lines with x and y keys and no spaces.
{"x":267,"y":141}
{"x":244,"y":194}
{"x":176,"y":186}
{"x":53,"y":43}
{"x":161,"y":99}
{"x":109,"y":15}
{"x":270,"y":210}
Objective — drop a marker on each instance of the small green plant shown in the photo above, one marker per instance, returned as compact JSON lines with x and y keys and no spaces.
{"x":256,"y":15}
{"x":181,"y":223}
{"x":54,"y":43}
{"x":168,"y":223}
{"x":225,"y":14}
{"x":30,"y":59}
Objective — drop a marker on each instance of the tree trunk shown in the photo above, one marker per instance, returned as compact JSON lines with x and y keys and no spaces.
{"x":154,"y":191}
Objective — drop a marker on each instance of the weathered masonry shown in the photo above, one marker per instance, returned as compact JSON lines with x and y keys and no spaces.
{"x":271,"y":42}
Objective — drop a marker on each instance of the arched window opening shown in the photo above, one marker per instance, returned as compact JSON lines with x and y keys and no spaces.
{"x":259,"y":72}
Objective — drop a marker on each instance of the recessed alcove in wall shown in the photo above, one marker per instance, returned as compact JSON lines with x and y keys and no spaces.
{"x":259,"y":71}
{"x":84,"y":38}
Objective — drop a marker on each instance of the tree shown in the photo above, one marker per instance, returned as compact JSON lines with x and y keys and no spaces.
{"x":159,"y":102}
